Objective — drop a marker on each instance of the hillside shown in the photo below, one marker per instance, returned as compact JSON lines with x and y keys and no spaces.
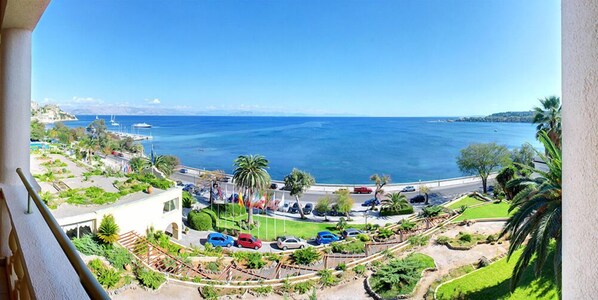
{"x":49,"y":113}
{"x":509,"y":117}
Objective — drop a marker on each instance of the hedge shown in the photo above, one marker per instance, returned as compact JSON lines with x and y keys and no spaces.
{"x":212,"y":215}
{"x":228,"y":210}
{"x":200,"y":221}
{"x":405,"y":210}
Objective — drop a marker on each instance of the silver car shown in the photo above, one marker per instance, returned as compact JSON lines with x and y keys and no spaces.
{"x":290,"y":242}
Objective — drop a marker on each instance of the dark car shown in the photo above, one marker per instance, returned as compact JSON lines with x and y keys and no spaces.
{"x":179,"y":183}
{"x":184,"y":171}
{"x":274,"y":186}
{"x":490,"y":189}
{"x":189,"y":188}
{"x":294,"y":209}
{"x":309,"y":207}
{"x":418,"y":199}
{"x":370,"y":202}
{"x":224,"y":179}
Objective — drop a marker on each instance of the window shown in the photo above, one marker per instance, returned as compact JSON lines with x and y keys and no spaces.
{"x":169,"y":206}
{"x":78,"y":230}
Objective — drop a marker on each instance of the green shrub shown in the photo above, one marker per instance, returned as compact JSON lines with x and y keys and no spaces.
{"x":491,"y":238}
{"x":199,"y":220}
{"x":359,"y":270}
{"x":363,"y":237}
{"x":255,"y":261}
{"x":108,"y":230}
{"x":466,"y":237}
{"x":209,"y":292}
{"x":341,"y":267}
{"x":407,"y":225}
{"x":303,"y":287}
{"x":418,"y":240}
{"x":352,"y":247}
{"x":384,"y":233}
{"x":212,"y":215}
{"x":119,"y":257}
{"x":149,"y":278}
{"x":306,"y":256}
{"x":263,"y":290}
{"x":442,"y":240}
{"x":229,"y":210}
{"x":188,"y":199}
{"x":106,"y":276}
{"x":431,"y":211}
{"x":326,"y":277}
{"x":88,"y":245}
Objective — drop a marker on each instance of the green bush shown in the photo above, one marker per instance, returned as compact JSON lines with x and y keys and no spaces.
{"x":491,"y":238}
{"x":407,"y":225}
{"x":108,"y":230}
{"x":306,"y":256}
{"x":442,"y":240}
{"x":106,"y":276}
{"x":88,"y":245}
{"x":431,"y":211}
{"x":263,"y":290}
{"x":212,"y":215}
{"x":352,"y":247}
{"x":149,"y":278}
{"x":418,"y":240}
{"x":229,"y":210}
{"x":341,"y":267}
{"x":119,"y":257}
{"x":200,"y":221}
{"x":188,"y":199}
{"x":359,"y":269}
{"x":466,"y":237}
{"x":255,"y":261}
{"x":326,"y":277}
{"x":405,"y":209}
{"x":363,"y":237}
{"x":209,"y":292}
{"x":384,"y":233}
{"x":303,"y":287}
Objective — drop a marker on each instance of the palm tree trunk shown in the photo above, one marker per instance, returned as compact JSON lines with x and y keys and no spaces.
{"x":427,"y":199}
{"x":299,"y":206}
{"x":250,"y":209}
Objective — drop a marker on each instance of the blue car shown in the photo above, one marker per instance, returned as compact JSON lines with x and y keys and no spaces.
{"x":370,"y":202}
{"x":218,"y":239}
{"x":326,"y":237}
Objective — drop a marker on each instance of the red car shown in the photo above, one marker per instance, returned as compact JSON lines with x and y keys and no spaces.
{"x":362,"y":190}
{"x":246,"y":240}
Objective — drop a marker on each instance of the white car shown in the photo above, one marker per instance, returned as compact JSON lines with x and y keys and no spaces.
{"x":408,"y":188}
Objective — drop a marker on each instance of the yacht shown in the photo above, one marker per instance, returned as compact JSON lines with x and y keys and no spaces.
{"x":113,"y":121}
{"x":142,"y":125}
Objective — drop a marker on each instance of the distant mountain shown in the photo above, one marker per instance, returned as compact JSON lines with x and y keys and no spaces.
{"x":49,"y":113}
{"x":505,"y":117}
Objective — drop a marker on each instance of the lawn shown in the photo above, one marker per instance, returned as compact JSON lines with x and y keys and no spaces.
{"x":488,"y":211}
{"x":271,"y":228}
{"x":382,"y":281}
{"x":467,"y":201}
{"x":492,"y":282}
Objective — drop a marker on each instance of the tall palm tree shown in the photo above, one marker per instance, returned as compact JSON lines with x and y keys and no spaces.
{"x":160,"y":162}
{"x":537,"y":216}
{"x":380,"y":181}
{"x":394,"y":201}
{"x":426,"y":191}
{"x":298,"y":182}
{"x":548,"y":118}
{"x":250,"y":173}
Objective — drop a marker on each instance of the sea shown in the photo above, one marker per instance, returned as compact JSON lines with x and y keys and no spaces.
{"x":334,"y":150}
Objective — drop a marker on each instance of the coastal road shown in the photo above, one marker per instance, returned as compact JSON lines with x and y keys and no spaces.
{"x":437,"y":195}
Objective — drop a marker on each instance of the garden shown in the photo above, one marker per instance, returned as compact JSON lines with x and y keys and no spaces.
{"x":400,"y":276}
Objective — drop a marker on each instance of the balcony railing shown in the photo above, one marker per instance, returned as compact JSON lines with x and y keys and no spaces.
{"x":28,"y":246}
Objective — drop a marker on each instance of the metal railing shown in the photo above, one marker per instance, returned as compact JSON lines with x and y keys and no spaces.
{"x":88,"y":281}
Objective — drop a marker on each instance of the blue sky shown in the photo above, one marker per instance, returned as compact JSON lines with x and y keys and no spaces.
{"x":371,"y":58}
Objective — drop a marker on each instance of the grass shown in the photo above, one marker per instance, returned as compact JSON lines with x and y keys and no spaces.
{"x":488,"y":211}
{"x":424,"y":262}
{"x":467,"y":201}
{"x":271,"y":228}
{"x":492,"y":282}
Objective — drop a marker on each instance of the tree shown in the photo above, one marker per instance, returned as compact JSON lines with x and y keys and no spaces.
{"x":537,"y":218}
{"x":426,"y":191}
{"x":394,"y":201}
{"x":137,"y":164}
{"x":482,"y":159}
{"x":38,"y":130}
{"x":380,"y":181}
{"x":503,"y":177}
{"x":344,"y":202}
{"x":548,"y":118}
{"x":108,"y":230}
{"x":396,"y":274}
{"x":297,"y":182}
{"x":323,"y":206}
{"x":163,"y":163}
{"x":524,"y":155}
{"x":250,"y":173}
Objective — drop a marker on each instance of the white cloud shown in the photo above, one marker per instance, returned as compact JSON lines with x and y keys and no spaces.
{"x":153,"y":101}
{"x":87,"y":100}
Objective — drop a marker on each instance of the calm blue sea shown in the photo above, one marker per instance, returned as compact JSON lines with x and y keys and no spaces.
{"x":334,"y":150}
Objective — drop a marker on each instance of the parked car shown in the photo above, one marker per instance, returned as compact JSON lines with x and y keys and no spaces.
{"x":290,"y":242}
{"x":418,"y":199}
{"x":218,"y":239}
{"x":179,"y":183}
{"x":340,"y":190}
{"x":274,"y":186}
{"x":184,"y":170}
{"x":351,"y":233}
{"x":408,"y":188}
{"x":294,"y":209}
{"x":334,"y":213}
{"x":370,"y":202}
{"x":308,"y":208}
{"x":490,"y":188}
{"x":284,"y":207}
{"x":326,"y":237}
{"x":224,"y":179}
{"x":189,"y":187}
{"x":248,"y":241}
{"x":362,"y":190}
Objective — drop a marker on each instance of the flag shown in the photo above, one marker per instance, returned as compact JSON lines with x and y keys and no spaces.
{"x":241,"y":200}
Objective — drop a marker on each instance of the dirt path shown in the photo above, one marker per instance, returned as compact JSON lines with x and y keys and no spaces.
{"x":447,"y":259}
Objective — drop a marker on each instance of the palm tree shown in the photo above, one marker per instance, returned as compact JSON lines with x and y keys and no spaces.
{"x":162,"y":163}
{"x":250,"y":173}
{"x":137,"y":164}
{"x":548,"y":118}
{"x":380,"y":181}
{"x":394,"y":201}
{"x":426,"y":191}
{"x":537,"y":216}
{"x":298,"y":182}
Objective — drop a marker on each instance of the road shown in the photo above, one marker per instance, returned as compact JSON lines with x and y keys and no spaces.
{"x":437,"y":195}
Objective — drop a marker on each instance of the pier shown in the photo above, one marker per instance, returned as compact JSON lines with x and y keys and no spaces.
{"x":135,"y":137}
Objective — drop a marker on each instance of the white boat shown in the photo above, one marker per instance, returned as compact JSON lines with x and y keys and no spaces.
{"x":142,"y":125}
{"x":113,"y":121}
